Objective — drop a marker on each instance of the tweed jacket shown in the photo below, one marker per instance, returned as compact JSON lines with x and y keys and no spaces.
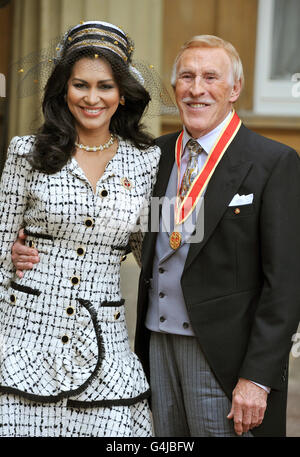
{"x":54,"y":321}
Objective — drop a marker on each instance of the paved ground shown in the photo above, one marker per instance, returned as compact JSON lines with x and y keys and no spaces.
{"x":293,"y":413}
{"x":129,"y":281}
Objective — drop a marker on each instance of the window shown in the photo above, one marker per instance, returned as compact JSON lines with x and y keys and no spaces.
{"x":277,"y":72}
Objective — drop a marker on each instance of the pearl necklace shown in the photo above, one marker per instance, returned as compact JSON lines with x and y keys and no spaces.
{"x":97,"y":148}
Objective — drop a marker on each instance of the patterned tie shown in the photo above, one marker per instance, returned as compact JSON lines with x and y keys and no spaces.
{"x":192,"y":168}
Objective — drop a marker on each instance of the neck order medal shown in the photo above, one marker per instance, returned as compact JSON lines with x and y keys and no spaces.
{"x":188,"y":204}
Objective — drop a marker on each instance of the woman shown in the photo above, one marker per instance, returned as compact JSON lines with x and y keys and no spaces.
{"x":77,"y":188}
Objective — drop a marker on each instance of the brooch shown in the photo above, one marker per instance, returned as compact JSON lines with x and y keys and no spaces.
{"x":126,"y":183}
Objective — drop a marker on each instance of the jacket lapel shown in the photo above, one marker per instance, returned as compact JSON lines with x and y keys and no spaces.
{"x":224,"y":184}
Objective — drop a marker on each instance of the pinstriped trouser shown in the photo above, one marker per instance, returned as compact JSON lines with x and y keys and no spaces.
{"x":187,"y":400}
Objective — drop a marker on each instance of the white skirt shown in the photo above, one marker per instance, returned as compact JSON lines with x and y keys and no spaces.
{"x":120,"y":380}
{"x":20,"y":417}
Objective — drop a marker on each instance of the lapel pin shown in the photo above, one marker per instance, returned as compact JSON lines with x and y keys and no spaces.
{"x":126,"y":183}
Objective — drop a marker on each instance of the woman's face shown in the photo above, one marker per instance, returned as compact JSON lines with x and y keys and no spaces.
{"x":92,"y":95}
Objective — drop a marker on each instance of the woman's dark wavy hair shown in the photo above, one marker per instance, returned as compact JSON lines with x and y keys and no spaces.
{"x":55,"y":140}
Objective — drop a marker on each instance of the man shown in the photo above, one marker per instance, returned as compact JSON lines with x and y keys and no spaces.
{"x":225,"y":332}
{"x":218,"y":314}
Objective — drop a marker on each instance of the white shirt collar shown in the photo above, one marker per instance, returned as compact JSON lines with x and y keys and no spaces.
{"x":206,"y":141}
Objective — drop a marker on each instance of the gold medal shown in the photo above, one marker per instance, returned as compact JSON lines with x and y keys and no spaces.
{"x":175,"y":240}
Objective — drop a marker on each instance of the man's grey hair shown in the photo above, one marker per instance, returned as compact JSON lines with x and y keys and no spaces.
{"x":211,"y":41}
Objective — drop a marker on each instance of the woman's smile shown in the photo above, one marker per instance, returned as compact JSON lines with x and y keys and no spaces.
{"x":91,"y":112}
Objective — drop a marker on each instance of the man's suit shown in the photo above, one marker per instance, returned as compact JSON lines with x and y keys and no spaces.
{"x":241,"y":283}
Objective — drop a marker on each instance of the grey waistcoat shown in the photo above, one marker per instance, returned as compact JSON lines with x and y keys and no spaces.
{"x":167,"y":311}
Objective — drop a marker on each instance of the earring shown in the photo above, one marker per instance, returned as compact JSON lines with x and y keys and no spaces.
{"x":122,"y":100}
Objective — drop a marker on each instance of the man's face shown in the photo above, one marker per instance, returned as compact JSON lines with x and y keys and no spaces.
{"x":204,"y":89}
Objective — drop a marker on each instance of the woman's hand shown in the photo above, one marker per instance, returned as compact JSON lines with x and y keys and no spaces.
{"x":23,"y":257}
